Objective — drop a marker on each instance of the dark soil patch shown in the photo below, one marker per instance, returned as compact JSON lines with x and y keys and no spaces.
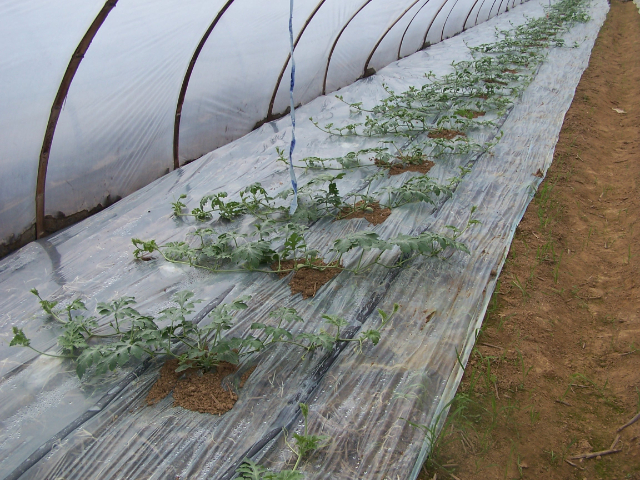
{"x":307,"y":281}
{"x":446,"y":134}
{"x":377,"y":216}
{"x":398,"y":168}
{"x":509,"y":70}
{"x":558,"y":361}
{"x":197,"y":391}
{"x":493,"y":80}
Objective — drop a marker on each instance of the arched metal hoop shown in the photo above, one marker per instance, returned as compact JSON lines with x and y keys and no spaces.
{"x":464,"y":25}
{"x":424,"y":40}
{"x":366,"y":65}
{"x":56,"y":108}
{"x":284,"y":67}
{"x":185,"y":83}
{"x":333,"y":47}
{"x":407,"y":29}
{"x":444,"y":25}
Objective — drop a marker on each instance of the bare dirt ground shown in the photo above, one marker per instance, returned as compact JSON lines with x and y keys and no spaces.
{"x":556,"y":369}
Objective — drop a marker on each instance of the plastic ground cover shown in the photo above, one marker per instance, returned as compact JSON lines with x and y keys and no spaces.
{"x":54,"y":426}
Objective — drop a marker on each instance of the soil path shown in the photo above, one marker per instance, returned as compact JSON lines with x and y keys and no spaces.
{"x":556,"y":370}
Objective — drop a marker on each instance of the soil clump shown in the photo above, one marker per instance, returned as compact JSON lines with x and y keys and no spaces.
{"x":398,"y":168}
{"x":307,"y":281}
{"x":194,"y":390}
{"x":446,"y":134}
{"x":376,"y":216}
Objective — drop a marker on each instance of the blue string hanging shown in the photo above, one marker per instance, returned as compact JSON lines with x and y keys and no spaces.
{"x":292,"y":173}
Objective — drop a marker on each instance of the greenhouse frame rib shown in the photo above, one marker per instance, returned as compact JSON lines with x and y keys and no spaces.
{"x":72,"y":68}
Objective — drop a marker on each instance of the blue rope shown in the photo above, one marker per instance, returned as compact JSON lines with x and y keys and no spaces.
{"x":292,"y":173}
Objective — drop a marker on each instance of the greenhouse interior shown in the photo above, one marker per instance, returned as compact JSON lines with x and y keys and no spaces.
{"x":319,"y":239}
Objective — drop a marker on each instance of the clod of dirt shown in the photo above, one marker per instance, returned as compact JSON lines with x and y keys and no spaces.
{"x":509,"y":70}
{"x":493,"y":80}
{"x":197,"y":391}
{"x":398,"y":168}
{"x":446,"y":134}
{"x":307,"y":281}
{"x":376,"y":216}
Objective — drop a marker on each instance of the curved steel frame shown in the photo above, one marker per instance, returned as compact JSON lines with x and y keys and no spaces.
{"x":284,"y":67}
{"x":56,"y":108}
{"x":408,"y":26}
{"x":333,"y":47}
{"x":185,"y":82}
{"x":366,"y":64}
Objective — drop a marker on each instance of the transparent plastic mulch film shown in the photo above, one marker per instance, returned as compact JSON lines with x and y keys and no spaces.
{"x":379,"y":406}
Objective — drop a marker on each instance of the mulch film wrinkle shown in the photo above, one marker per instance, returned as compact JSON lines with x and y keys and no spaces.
{"x":363,"y":401}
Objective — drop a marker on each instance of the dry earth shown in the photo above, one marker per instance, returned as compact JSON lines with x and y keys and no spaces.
{"x":556,"y":369}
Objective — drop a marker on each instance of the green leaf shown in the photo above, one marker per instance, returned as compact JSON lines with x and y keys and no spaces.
{"x":286,"y":314}
{"x":253,"y":253}
{"x":249,"y":470}
{"x":365,"y":240}
{"x":136,"y":351}
{"x":373,"y":335}
{"x":19,"y":338}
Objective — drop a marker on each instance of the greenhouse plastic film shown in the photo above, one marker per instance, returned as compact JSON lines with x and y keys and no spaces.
{"x":360,"y":400}
{"x":115,"y":133}
{"x":162,"y":83}
{"x":34,"y":53}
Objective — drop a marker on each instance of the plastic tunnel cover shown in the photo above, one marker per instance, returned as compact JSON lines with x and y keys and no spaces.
{"x":357,"y":399}
{"x":35,"y":49}
{"x":414,"y":38}
{"x":313,"y":51}
{"x":115,"y":133}
{"x":248,"y":47}
{"x":359,"y":39}
{"x":387,"y":50}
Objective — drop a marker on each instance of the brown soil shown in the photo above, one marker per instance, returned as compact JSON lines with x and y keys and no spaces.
{"x":376,"y":217}
{"x":509,"y":70}
{"x":556,"y":370}
{"x":196,"y":391}
{"x":493,"y":80}
{"x":446,"y":134}
{"x":478,"y":114}
{"x":398,"y":168}
{"x":307,"y":281}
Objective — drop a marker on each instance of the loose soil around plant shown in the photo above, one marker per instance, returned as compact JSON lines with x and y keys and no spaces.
{"x":307,"y":281}
{"x":446,"y":134}
{"x":398,"y":168}
{"x":376,"y":216}
{"x":197,"y":391}
{"x":556,"y":369}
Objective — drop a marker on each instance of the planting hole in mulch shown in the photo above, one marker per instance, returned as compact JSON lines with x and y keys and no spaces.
{"x":493,"y":80}
{"x":446,"y":134}
{"x":509,"y":70}
{"x":197,"y":391}
{"x":398,"y":168}
{"x":376,"y":216}
{"x":307,"y":281}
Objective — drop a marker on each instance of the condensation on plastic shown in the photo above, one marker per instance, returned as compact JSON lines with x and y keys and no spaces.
{"x":115,"y":133}
{"x":32,"y":67}
{"x":360,"y":400}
